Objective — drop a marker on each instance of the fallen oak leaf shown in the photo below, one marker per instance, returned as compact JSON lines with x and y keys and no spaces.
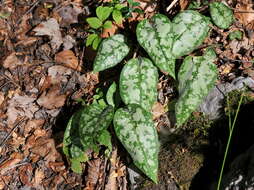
{"x":68,"y":59}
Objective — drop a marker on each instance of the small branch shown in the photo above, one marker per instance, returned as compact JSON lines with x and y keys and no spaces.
{"x":171,"y":5}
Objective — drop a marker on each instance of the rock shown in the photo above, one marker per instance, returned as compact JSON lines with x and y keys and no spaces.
{"x":213,"y":102}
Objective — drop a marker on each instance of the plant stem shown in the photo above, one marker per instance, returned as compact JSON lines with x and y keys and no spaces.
{"x":229,"y":140}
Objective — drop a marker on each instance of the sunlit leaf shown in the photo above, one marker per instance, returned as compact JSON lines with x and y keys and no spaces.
{"x":138,"y":83}
{"x":197,"y":75}
{"x":111,"y":52}
{"x":136,"y":131}
{"x":221,"y":14}
{"x":156,"y":37}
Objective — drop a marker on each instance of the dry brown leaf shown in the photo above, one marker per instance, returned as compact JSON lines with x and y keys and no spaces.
{"x":68,"y":59}
{"x":110,"y":31}
{"x":26,"y":174}
{"x":50,"y":28}
{"x":244,"y":12}
{"x":20,"y":106}
{"x":69,"y":42}
{"x":39,"y":176}
{"x":11,"y":61}
{"x":59,"y":74}
{"x":183,"y":4}
{"x":157,"y":110}
{"x":69,"y":14}
{"x":11,"y":163}
{"x":52,"y":99}
{"x":32,"y":125}
{"x":1,"y":98}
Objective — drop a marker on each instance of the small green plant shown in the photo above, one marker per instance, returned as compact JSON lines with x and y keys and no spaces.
{"x":231,"y":127}
{"x":118,"y":12}
{"x":164,"y":41}
{"x":237,"y":34}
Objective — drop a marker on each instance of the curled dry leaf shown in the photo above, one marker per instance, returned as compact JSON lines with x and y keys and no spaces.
{"x":58,"y":74}
{"x":157,"y":110}
{"x":11,"y":61}
{"x":50,"y":28}
{"x":52,"y":99}
{"x":68,"y":59}
{"x":244,"y":12}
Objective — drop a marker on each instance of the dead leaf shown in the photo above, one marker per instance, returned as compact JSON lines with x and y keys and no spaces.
{"x":50,"y":28}
{"x":157,"y":110}
{"x":59,"y":74}
{"x":20,"y":106}
{"x":38,"y":177}
{"x":26,"y":174}
{"x":1,"y":98}
{"x":32,"y":125}
{"x":52,"y":99}
{"x":244,"y":12}
{"x":69,"y":14}
{"x":68,"y":59}
{"x":9,"y":164}
{"x":69,"y":42}
{"x":11,"y":61}
{"x":184,"y":4}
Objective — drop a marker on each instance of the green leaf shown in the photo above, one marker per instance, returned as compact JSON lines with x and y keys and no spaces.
{"x":197,"y":75}
{"x":90,"y":39}
{"x":103,"y":12}
{"x":190,"y":29}
{"x":96,"y":42}
{"x":156,"y":37}
{"x":112,"y":96}
{"x":93,"y":120}
{"x":138,"y":83}
{"x":237,"y":34}
{"x":76,"y":162}
{"x":71,"y":135}
{"x":221,"y":14}
{"x":107,"y":24}
{"x":136,"y":131}
{"x":119,"y":6}
{"x":105,"y":139}
{"x":94,"y":22}
{"x":117,"y":16}
{"x":111,"y":52}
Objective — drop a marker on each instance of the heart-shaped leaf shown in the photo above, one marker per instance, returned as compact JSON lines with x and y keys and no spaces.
{"x":138,"y":83}
{"x":190,"y":29}
{"x":197,"y":75}
{"x":221,"y":14}
{"x":135,"y":129}
{"x":111,"y":52}
{"x":103,"y":12}
{"x":156,"y":37}
{"x":93,"y":120}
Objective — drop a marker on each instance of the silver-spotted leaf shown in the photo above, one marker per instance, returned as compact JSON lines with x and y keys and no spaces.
{"x":111,"y":52}
{"x":156,"y":37}
{"x":93,"y":120}
{"x":221,"y":14}
{"x":136,"y":131}
{"x":197,"y":75}
{"x":112,"y":96}
{"x":138,"y":83}
{"x":71,"y":134}
{"x":190,"y":29}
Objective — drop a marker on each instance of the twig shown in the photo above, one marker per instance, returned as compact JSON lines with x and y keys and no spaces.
{"x":29,"y":10}
{"x":171,"y":5}
{"x":236,"y":60}
{"x":13,"y":129}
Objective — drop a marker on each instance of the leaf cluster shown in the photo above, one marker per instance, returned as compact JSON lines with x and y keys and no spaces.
{"x":164,"y":41}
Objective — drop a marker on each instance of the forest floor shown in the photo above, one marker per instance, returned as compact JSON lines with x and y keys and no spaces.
{"x":46,"y":68}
